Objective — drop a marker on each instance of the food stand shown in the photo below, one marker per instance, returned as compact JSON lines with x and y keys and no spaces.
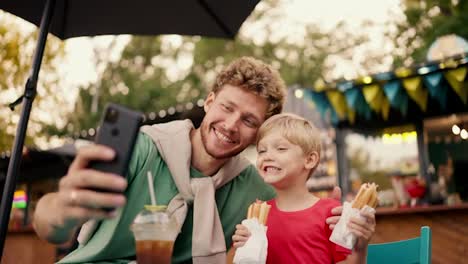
{"x":422,"y":110}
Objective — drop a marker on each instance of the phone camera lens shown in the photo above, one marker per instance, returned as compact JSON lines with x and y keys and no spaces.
{"x":115,"y":132}
{"x":111,"y":115}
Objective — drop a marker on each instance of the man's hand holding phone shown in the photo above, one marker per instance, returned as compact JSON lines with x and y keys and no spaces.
{"x":101,"y":170}
{"x":94,"y":185}
{"x":78,"y":201}
{"x":58,"y":215}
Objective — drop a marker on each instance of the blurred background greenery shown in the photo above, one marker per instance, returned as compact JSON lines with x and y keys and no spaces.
{"x":142,"y":78}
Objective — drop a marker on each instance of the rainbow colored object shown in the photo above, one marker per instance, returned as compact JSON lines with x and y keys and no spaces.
{"x":20,"y":199}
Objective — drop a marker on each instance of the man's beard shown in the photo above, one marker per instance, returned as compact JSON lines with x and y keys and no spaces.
{"x":205,"y":130}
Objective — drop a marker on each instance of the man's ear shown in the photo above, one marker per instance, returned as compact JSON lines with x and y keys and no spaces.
{"x":209,"y":101}
{"x":312,"y":160}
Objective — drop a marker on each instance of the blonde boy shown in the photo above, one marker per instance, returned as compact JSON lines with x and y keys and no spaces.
{"x":288,"y":148}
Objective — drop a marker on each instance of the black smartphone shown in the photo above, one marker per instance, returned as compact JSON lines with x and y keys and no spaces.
{"x":118,"y":129}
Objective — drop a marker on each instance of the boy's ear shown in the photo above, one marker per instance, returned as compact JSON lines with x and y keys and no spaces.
{"x":312,"y":160}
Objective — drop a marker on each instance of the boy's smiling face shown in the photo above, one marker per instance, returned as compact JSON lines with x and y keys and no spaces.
{"x":282,"y":163}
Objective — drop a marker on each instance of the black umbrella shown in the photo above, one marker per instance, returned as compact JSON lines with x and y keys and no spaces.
{"x":73,"y":18}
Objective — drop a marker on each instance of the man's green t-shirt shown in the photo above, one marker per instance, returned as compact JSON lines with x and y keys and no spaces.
{"x":113,"y":241}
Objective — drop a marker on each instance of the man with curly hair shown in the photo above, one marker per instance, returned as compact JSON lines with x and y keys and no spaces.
{"x":198,"y":173}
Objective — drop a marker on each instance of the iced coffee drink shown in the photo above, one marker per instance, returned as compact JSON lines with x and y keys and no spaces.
{"x":155,"y":232}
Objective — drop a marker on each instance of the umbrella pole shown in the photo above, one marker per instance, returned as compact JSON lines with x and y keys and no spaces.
{"x":27,"y":98}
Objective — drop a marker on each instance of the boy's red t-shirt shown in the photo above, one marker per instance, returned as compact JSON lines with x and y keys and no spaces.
{"x":302,"y":236}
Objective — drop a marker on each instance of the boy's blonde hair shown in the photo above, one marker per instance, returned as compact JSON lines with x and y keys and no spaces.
{"x":295,"y":129}
{"x":255,"y":76}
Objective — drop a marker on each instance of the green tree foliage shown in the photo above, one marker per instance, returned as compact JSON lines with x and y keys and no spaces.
{"x":17,"y":46}
{"x":155,"y":73}
{"x":424,"y":22}
{"x":141,"y":79}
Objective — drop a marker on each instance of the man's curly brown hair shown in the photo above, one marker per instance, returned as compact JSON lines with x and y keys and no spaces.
{"x":255,"y":76}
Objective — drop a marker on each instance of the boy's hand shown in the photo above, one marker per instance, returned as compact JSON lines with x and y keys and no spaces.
{"x":241,"y":236}
{"x":363,"y":229}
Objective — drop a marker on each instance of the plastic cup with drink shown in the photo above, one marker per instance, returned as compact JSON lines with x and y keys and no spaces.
{"x":155,"y":231}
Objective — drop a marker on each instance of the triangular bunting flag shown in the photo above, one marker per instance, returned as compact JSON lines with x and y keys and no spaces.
{"x":458,"y":74}
{"x":456,"y":80}
{"x":373,"y":96}
{"x":352,"y":96}
{"x":361,"y":107}
{"x":436,"y":87}
{"x":338,"y":102}
{"x":398,"y":97}
{"x":392,"y":90}
{"x":414,"y":89}
{"x":412,"y":84}
{"x":432,"y":82}
{"x":320,"y":100}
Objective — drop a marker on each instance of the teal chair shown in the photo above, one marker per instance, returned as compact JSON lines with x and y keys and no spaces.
{"x":412,"y":251}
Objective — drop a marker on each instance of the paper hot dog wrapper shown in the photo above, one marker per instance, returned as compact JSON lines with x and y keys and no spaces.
{"x":341,"y":234}
{"x":255,"y":249}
